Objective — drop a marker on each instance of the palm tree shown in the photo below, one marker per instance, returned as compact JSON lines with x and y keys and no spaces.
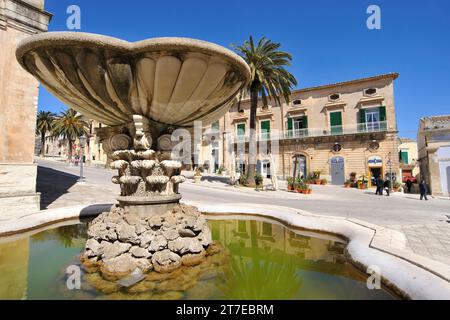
{"x":70,"y":125}
{"x":270,"y":80}
{"x":44,"y":124}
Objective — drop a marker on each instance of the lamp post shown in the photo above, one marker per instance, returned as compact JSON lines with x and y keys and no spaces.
{"x":390,"y":172}
{"x":82,"y":146}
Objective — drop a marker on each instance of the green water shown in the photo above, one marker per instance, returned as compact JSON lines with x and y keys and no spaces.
{"x":261,"y":261}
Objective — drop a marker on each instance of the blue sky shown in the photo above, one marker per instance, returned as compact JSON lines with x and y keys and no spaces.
{"x":328,"y":39}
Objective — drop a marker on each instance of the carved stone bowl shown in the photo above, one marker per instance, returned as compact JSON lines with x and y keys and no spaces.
{"x":170,"y":81}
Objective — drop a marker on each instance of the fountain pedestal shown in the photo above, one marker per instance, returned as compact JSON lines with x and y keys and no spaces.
{"x":148,"y":229}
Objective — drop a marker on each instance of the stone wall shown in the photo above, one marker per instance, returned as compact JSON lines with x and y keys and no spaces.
{"x":19,"y":97}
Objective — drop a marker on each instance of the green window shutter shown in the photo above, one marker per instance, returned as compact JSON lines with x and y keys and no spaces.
{"x":336,"y":122}
{"x":336,"y":119}
{"x":290,"y":126}
{"x":383,"y":118}
{"x":305,"y":122}
{"x":405,"y":157}
{"x":265,"y":126}
{"x":362,"y":120}
{"x":382,"y":113}
{"x":241,"y":129}
{"x":362,"y":116}
{"x":265,"y":129}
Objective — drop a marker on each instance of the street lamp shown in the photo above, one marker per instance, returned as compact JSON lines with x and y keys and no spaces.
{"x":82,"y":145}
{"x":389,"y":163}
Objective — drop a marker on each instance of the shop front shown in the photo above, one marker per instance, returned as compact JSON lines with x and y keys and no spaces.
{"x":375,"y":165}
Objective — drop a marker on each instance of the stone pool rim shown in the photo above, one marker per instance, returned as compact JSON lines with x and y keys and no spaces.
{"x":409,"y":276}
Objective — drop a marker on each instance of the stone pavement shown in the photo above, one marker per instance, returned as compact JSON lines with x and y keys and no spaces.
{"x":424,"y":225}
{"x":428,"y":240}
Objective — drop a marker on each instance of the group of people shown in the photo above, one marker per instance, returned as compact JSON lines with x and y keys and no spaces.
{"x":382,"y":186}
{"x":76,"y":160}
{"x":385,"y":185}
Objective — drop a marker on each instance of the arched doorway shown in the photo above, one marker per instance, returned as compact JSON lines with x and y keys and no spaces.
{"x":337,"y":171}
{"x":300,"y":166}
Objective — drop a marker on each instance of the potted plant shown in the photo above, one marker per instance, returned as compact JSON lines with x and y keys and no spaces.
{"x":259,"y":181}
{"x":298,"y":185}
{"x":243,"y":179}
{"x":348,"y":183}
{"x":290,"y":183}
{"x":317,"y":175}
{"x":363,"y":183}
{"x":324,"y":182}
{"x":397,"y":186}
{"x":197,"y":176}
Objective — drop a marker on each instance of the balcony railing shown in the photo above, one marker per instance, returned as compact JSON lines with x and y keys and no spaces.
{"x":361,"y":128}
{"x":372,"y":127}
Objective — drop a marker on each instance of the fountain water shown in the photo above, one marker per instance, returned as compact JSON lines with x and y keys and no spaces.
{"x":142,"y":91}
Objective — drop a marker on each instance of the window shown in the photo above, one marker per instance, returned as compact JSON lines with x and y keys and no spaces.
{"x":267,"y":229}
{"x":298,"y":127}
{"x":370,"y":92}
{"x":373,"y":119}
{"x":265,"y":129}
{"x":335,"y":97}
{"x":336,"y":123}
{"x":240,"y":130}
{"x":297,"y":102}
{"x":404,"y":156}
{"x":215,"y":126}
{"x":242,"y":226}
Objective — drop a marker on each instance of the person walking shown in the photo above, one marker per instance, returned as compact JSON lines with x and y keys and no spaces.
{"x":387,"y":187}
{"x":409,"y":185}
{"x":380,"y":185}
{"x":423,"y":190}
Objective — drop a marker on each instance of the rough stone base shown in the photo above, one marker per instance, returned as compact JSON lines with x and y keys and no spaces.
{"x":120,"y":241}
{"x":194,"y":282}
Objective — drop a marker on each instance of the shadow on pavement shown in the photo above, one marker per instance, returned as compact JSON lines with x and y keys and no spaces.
{"x":53,"y":184}
{"x":224,"y":180}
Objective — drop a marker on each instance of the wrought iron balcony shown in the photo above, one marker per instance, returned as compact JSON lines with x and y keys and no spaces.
{"x":372,"y":127}
{"x":361,"y":128}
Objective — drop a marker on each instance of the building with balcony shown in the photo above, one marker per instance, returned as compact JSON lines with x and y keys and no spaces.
{"x":434,"y":153}
{"x":337,"y":129}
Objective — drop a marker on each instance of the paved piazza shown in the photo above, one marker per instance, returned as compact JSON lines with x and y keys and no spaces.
{"x":426,"y":225}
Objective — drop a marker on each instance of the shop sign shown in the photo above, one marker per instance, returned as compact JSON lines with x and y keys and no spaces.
{"x":375,"y":162}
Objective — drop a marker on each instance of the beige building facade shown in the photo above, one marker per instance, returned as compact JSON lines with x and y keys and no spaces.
{"x":18,"y":103}
{"x":409,"y":156}
{"x":434,"y":153}
{"x":336,"y":129}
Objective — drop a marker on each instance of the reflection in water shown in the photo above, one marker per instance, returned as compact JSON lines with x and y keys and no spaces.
{"x":261,"y":261}
{"x":68,"y":236}
{"x":256,"y":279}
{"x":14,"y":269}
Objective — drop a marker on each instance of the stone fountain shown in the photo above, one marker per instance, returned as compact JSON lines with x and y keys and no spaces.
{"x":142,"y":92}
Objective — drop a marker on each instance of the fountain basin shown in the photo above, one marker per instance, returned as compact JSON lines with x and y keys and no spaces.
{"x":170,"y":81}
{"x":409,"y":276}
{"x":307,"y":266}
